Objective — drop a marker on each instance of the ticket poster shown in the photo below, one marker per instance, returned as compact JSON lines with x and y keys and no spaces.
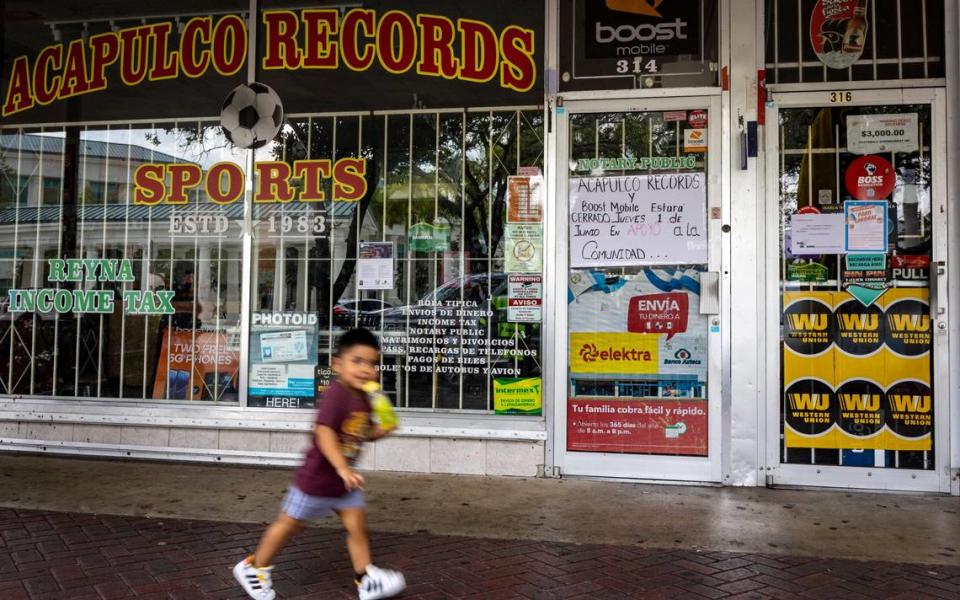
{"x":857,"y":377}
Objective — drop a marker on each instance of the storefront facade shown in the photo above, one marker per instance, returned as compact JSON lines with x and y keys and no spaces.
{"x":670,"y":241}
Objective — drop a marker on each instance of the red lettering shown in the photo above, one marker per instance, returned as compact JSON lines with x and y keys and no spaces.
{"x":75,"y":71}
{"x":229,"y":51}
{"x":281,"y":47}
{"x":19,"y":96}
{"x":397,"y":42}
{"x":133,"y":58}
{"x":350,"y":33}
{"x":148,"y":183}
{"x":312,"y":172}
{"x":105,"y":50}
{"x":518,"y":70}
{"x":214,"y":185}
{"x":195,"y":61}
{"x":182,"y":178}
{"x":273,"y":182}
{"x":50,"y":59}
{"x":436,"y":47}
{"x":349,"y":179}
{"x":164,"y":62}
{"x":478,"y":49}
{"x":321,"y":53}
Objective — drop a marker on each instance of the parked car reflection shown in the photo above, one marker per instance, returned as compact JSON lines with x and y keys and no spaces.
{"x":359,"y":312}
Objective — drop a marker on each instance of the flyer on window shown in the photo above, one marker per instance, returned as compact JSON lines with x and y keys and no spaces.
{"x":375,"y":266}
{"x":865,"y":226}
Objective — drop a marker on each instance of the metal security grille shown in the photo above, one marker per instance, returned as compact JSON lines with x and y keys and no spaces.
{"x":904,"y":40}
{"x":68,"y":193}
{"x":73,"y":200}
{"x":440,"y":168}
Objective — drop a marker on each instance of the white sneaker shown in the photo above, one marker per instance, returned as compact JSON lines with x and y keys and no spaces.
{"x":256,"y":582}
{"x":381,"y":583}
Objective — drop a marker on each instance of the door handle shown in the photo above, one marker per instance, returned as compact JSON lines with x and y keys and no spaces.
{"x":710,"y":293}
{"x":938,"y":291}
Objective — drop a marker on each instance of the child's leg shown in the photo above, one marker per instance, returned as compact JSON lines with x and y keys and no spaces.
{"x":275,"y":538}
{"x":358,"y":545}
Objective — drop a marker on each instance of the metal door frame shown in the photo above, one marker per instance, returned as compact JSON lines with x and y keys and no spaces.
{"x":937,"y":480}
{"x":639,"y":466}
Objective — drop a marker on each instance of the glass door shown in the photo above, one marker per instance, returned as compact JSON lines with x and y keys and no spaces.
{"x":639,"y":222}
{"x":858,"y":184}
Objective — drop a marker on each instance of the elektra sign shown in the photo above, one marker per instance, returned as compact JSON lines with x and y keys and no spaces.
{"x":624,"y":28}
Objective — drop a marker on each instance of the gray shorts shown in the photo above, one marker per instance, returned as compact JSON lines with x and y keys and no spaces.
{"x":304,"y":507}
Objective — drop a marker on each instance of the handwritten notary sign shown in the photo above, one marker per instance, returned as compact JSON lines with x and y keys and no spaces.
{"x":638,"y":220}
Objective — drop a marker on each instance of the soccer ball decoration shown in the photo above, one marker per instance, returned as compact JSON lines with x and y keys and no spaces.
{"x":251,"y":116}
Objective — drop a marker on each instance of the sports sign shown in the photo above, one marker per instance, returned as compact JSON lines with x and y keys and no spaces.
{"x":223,"y":183}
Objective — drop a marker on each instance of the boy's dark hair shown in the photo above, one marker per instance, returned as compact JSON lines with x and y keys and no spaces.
{"x":356,"y":337}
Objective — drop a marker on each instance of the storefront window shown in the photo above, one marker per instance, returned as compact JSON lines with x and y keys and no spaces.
{"x":399,"y":208}
{"x":108,"y":298}
{"x":421,"y":255}
{"x":13,"y":188}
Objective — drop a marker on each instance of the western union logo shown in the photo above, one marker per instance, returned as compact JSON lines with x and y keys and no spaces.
{"x":638,"y":7}
{"x":809,"y":401}
{"x":808,"y":322}
{"x":860,"y":402}
{"x":901,"y":322}
{"x":859,"y":322}
{"x":908,"y":403}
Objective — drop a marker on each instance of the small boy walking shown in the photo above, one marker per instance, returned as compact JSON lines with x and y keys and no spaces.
{"x":326,"y":483}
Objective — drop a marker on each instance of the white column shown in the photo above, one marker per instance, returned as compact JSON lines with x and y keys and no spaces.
{"x":744,"y":393}
{"x":952,"y":25}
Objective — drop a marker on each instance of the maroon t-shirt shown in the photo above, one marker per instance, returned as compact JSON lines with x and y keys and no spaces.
{"x":349,"y":415}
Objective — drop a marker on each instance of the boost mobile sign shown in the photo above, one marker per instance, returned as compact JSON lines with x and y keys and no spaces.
{"x":607,"y":44}
{"x":648,"y":28}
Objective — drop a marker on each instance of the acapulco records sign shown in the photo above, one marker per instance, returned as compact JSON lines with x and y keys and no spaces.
{"x":630,"y":41}
{"x":130,"y":66}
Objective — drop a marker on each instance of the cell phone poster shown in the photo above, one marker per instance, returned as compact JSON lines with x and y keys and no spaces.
{"x":638,"y":363}
{"x":196,"y":366}
{"x":857,"y":377}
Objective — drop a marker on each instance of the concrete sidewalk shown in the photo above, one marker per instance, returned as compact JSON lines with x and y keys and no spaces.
{"x":884,"y":527}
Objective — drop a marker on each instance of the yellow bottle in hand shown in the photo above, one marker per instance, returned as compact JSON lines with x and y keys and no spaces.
{"x":383,"y":413}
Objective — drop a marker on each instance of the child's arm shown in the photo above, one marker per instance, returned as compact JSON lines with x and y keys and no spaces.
{"x":379,"y":433}
{"x":329,"y":444}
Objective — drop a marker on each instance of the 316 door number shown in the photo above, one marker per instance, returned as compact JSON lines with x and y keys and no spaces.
{"x":841,"y":97}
